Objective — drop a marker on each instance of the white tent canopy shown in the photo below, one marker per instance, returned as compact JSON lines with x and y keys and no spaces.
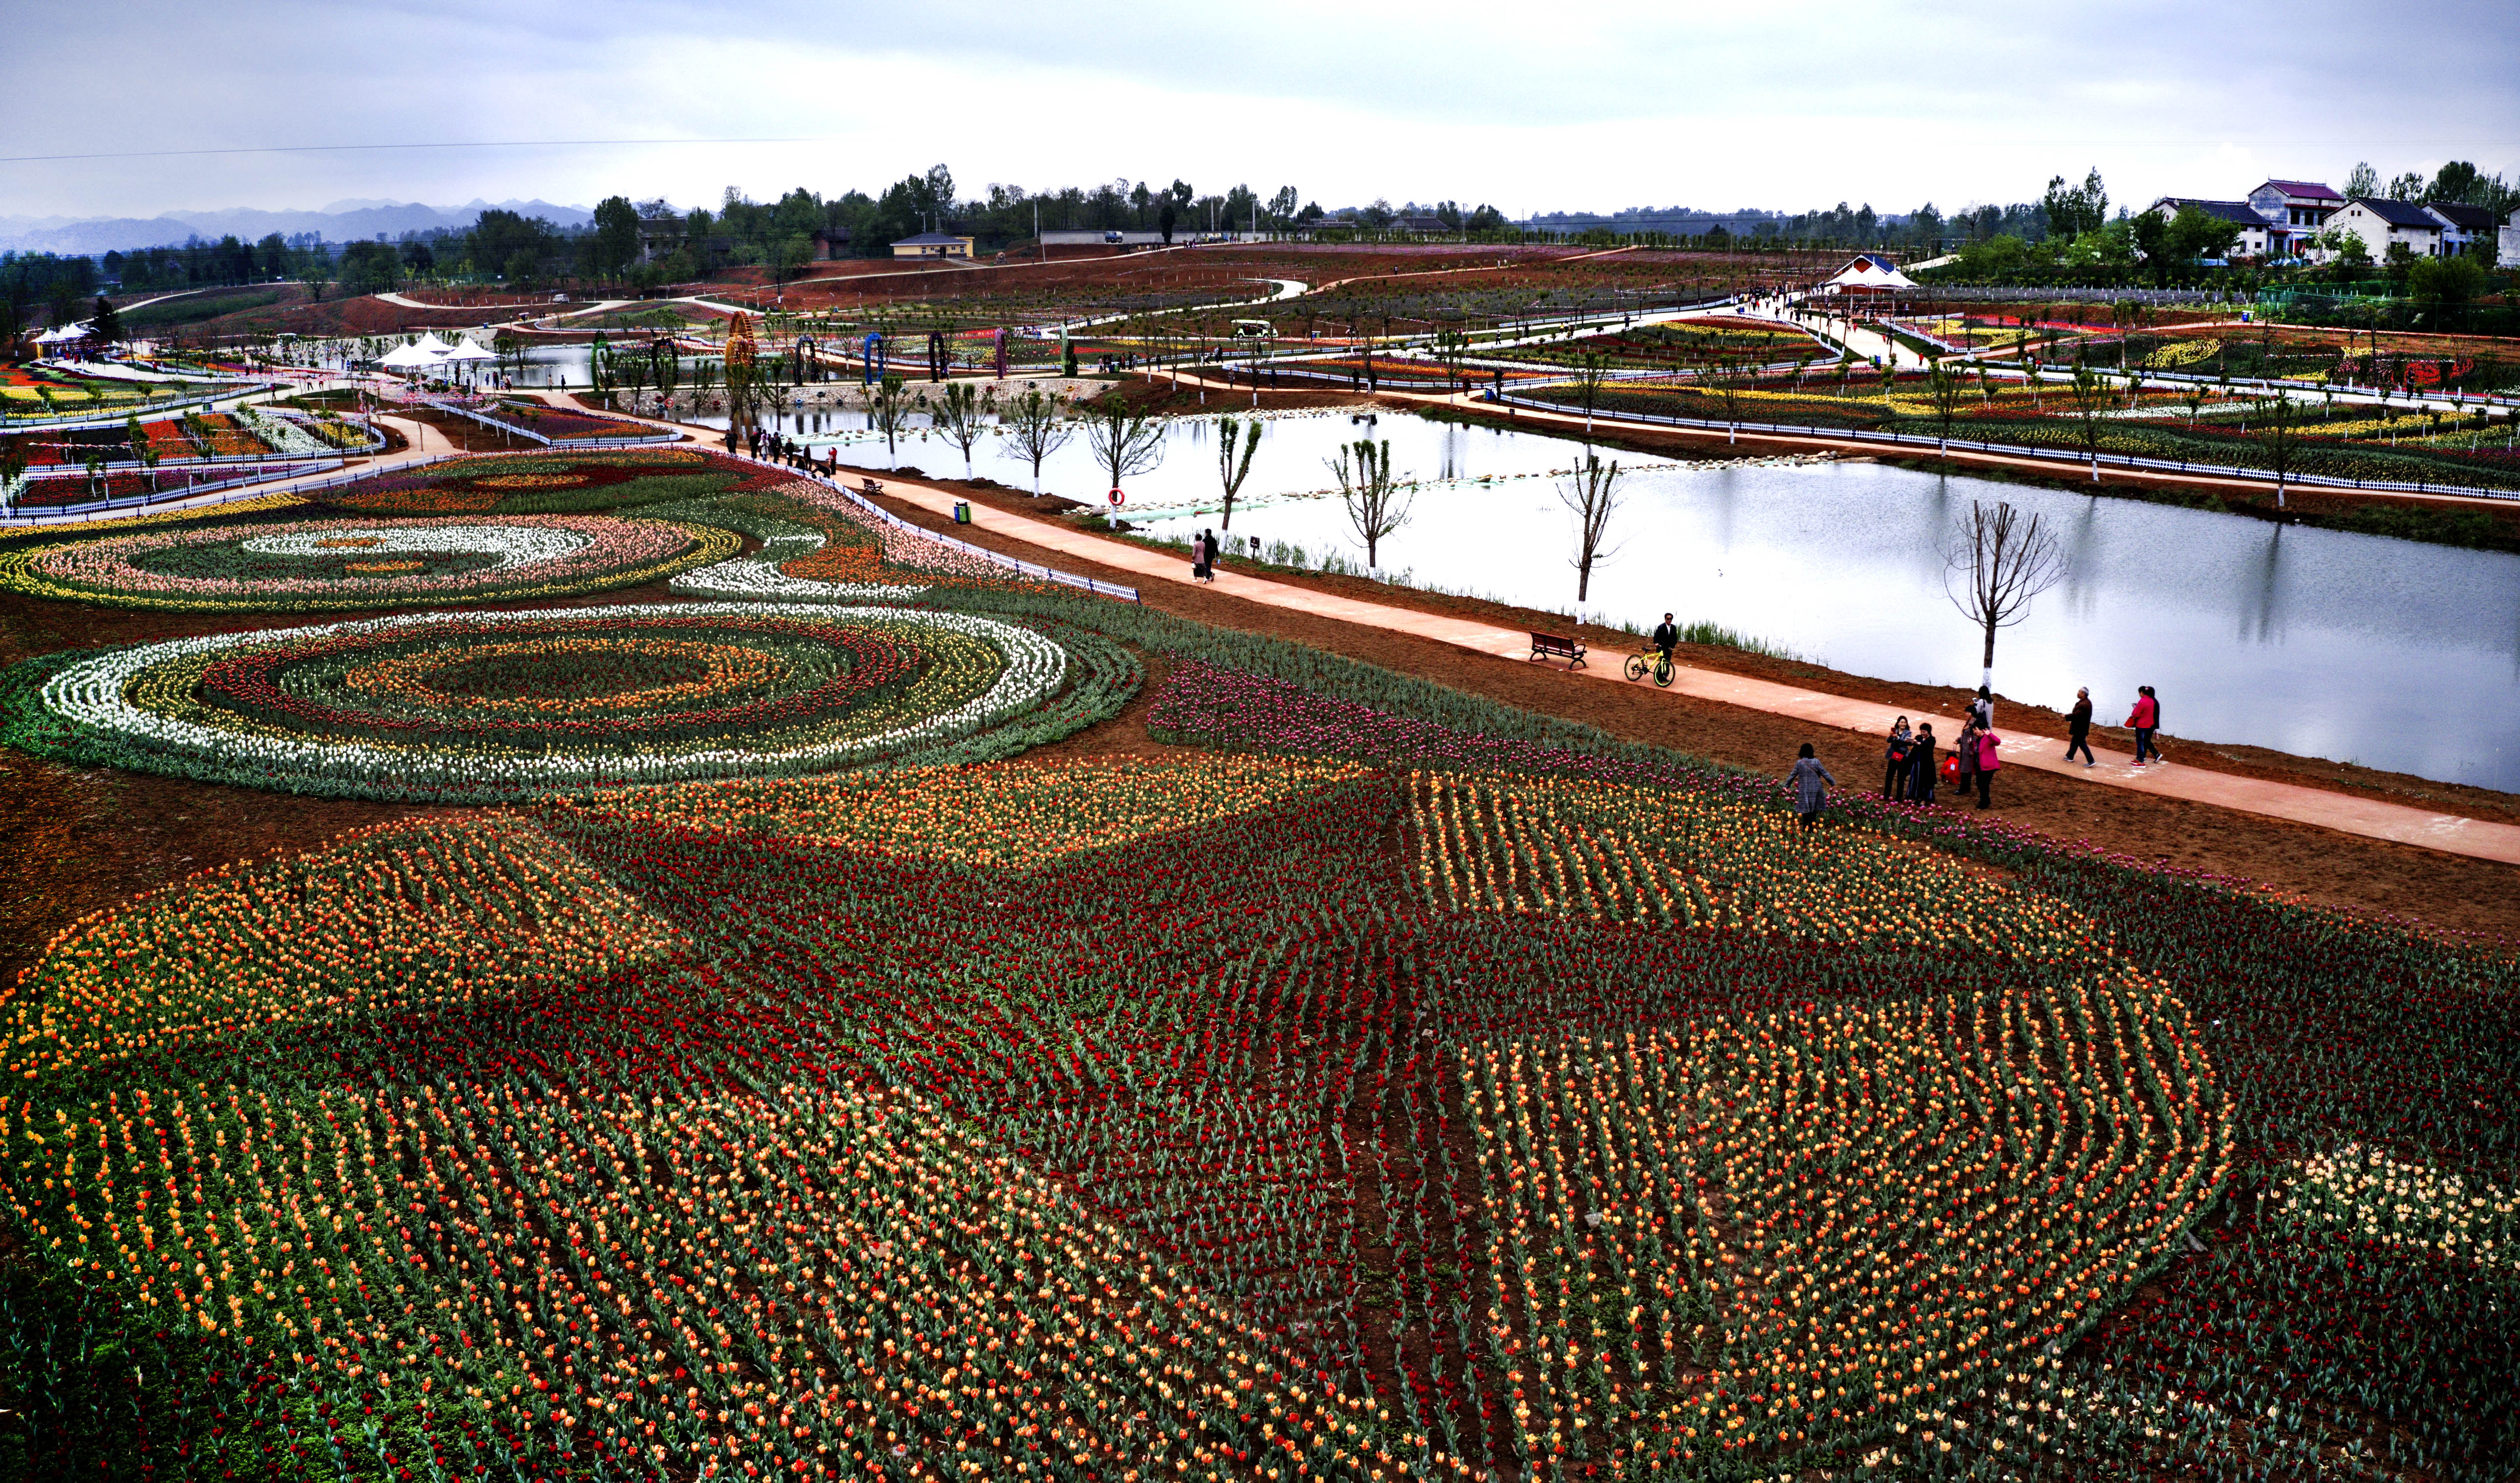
{"x":65,"y":334}
{"x":429,"y":342}
{"x":1870,"y":272}
{"x":411,"y":357}
{"x":465,"y":350}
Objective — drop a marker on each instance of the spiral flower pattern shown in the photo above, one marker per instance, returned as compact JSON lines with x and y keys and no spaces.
{"x":489,"y":705}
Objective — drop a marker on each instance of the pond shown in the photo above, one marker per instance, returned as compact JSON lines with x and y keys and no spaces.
{"x":2388,"y":653}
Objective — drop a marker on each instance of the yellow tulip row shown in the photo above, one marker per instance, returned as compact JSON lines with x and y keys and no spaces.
{"x":1627,"y":854}
{"x":1018,"y":815}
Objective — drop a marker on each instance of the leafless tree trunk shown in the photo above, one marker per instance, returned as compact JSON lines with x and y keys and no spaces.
{"x":1592,"y":497}
{"x":1998,"y":560}
{"x":1036,"y":426}
{"x":1376,"y":503}
{"x":1124,"y":443}
{"x":1592,"y":369}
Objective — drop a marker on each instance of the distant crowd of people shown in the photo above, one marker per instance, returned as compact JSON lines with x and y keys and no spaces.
{"x":1916,"y":764}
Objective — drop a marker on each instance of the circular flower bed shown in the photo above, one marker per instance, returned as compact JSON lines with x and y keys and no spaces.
{"x":321,"y":565}
{"x":490,"y":706}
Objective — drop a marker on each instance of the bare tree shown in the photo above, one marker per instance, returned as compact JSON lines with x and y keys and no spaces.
{"x":1592,"y":497}
{"x":1377,"y":504}
{"x":962,"y":416}
{"x":1998,"y":560}
{"x":1035,"y":425}
{"x":1229,"y":472}
{"x":1124,"y":443}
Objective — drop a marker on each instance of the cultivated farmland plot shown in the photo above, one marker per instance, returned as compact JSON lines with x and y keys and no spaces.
{"x":748,"y":1062}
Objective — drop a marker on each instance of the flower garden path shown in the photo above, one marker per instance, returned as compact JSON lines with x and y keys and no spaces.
{"x":424,"y":441}
{"x":2372,"y":818}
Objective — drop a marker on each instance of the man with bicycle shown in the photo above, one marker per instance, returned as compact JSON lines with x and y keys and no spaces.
{"x":1665,"y":637}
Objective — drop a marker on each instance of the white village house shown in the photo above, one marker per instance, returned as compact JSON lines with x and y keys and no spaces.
{"x":2294,"y":211}
{"x":2462,"y":226}
{"x":2510,"y":237}
{"x":2384,"y":224}
{"x":2256,"y":239}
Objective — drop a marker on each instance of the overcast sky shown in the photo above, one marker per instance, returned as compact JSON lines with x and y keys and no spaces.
{"x":1589,"y":106}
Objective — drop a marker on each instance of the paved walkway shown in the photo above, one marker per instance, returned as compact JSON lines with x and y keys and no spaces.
{"x":2344,"y":813}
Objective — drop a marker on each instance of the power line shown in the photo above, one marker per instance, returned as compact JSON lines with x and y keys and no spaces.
{"x":459,"y":144}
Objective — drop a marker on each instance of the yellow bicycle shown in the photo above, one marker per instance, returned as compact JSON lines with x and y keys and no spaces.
{"x":1652,"y":662}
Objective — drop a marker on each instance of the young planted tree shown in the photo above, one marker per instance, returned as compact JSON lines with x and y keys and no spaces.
{"x":1231,"y":471}
{"x":1376,"y":505}
{"x":1591,"y":496}
{"x":1948,"y":389}
{"x":1998,"y":560}
{"x":12,"y":468}
{"x":1125,"y":443}
{"x":1592,"y":369}
{"x":889,"y":408}
{"x":2280,"y":431}
{"x":1731,"y":378}
{"x":962,"y":414}
{"x":2091,"y":405}
{"x":1035,"y":425}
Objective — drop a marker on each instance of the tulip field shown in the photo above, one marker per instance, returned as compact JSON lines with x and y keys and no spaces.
{"x":753,"y":1052}
{"x":319,"y":564}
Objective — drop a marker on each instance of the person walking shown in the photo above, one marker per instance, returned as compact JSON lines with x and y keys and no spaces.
{"x":1964,"y":752}
{"x":1988,"y":764}
{"x":1808,"y":777}
{"x":2146,"y":716}
{"x":1894,"y":775}
{"x":2077,"y":726}
{"x":1922,"y":776}
{"x":1209,"y":550}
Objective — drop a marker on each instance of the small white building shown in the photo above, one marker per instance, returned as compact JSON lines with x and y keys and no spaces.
{"x":2511,"y":239}
{"x":2462,"y":226}
{"x":2294,"y":211}
{"x":2384,"y":224}
{"x":2256,"y":240}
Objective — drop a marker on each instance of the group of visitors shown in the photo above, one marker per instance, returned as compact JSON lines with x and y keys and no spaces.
{"x":1203,"y":551}
{"x":778,"y":447}
{"x":1915,"y":764}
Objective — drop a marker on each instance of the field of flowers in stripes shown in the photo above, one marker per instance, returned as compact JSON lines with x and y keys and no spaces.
{"x":1372,"y":1088}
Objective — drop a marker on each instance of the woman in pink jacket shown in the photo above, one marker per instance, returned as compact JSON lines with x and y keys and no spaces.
{"x":1987,"y":763}
{"x":2144,"y":720}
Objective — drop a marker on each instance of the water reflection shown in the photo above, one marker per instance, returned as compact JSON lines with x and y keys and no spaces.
{"x":2317,"y":642}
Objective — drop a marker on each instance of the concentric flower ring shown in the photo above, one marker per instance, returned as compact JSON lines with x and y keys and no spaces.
{"x":328,"y":565}
{"x":489,"y":705}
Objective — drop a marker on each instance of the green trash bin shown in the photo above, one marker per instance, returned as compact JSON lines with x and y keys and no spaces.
{"x":962,"y":512}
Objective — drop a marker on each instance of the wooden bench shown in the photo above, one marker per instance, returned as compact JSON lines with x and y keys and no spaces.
{"x":1556,"y":646}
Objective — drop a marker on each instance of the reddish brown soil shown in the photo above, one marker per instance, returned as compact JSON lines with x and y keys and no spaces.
{"x":2319,"y":864}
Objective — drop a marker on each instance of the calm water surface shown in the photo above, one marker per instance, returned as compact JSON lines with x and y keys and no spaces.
{"x":2388,"y":653}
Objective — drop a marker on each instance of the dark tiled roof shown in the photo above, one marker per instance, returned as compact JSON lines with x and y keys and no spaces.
{"x":930,"y":239}
{"x":2238,"y":213}
{"x":2311,"y":190}
{"x":2470,"y":218}
{"x":2397,"y":212}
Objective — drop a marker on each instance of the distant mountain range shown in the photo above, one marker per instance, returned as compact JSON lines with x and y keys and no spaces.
{"x":340,"y":221}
